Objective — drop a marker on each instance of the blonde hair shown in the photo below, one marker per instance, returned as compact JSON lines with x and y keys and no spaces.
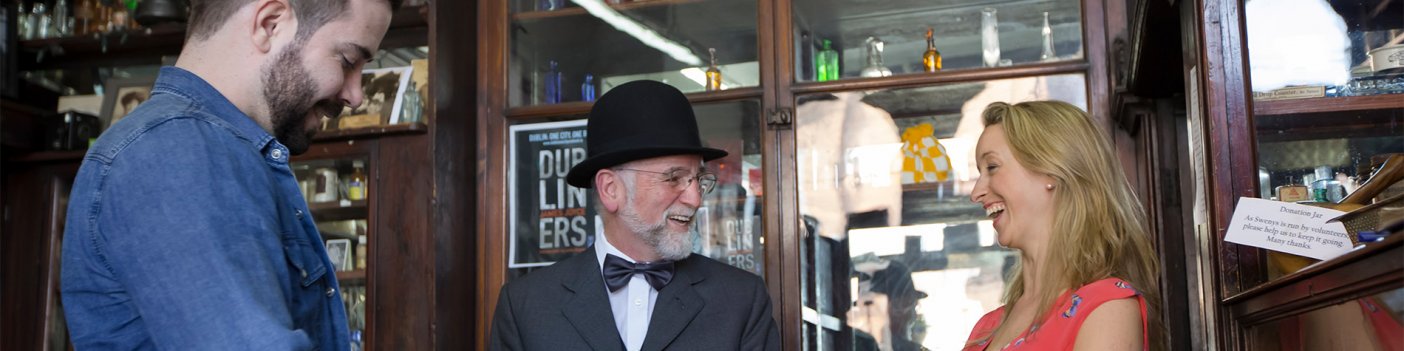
{"x":1099,"y":227}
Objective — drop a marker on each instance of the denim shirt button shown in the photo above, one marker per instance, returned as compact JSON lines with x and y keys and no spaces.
{"x":299,"y":214}
{"x":277,"y":154}
{"x":304,"y":273}
{"x":331,"y":291}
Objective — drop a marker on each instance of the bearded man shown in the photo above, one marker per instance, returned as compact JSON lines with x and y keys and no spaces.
{"x":185,"y":228}
{"x":639,"y":287}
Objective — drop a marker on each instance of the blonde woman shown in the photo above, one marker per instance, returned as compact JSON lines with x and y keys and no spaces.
{"x":1087,"y":276}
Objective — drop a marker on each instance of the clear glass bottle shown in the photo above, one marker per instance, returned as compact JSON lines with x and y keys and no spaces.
{"x":1326,"y":188}
{"x":827,"y":62}
{"x":989,"y":36}
{"x":412,"y":108}
{"x":931,"y":59}
{"x":875,"y":66}
{"x":23,"y":23}
{"x":1047,"y":54}
{"x":714,"y":75}
{"x":41,"y":20}
{"x":356,"y":186}
{"x":587,"y":88}
{"x":61,"y":18}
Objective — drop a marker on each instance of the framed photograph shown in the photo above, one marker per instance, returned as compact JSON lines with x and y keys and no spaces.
{"x":122,"y":95}
{"x":384,"y":89}
{"x":339,"y":250}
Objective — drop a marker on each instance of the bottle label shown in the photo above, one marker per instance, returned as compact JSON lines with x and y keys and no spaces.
{"x":356,"y":191}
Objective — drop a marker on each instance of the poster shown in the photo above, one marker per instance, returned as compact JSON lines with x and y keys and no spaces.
{"x":549,"y":220}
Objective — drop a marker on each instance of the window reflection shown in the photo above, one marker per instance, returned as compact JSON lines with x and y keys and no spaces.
{"x":896,"y":257}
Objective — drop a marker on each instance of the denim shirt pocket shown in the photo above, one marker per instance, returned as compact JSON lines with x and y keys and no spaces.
{"x":304,"y":257}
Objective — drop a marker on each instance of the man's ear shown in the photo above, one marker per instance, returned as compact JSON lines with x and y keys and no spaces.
{"x":610,"y":189}
{"x":272,"y":18}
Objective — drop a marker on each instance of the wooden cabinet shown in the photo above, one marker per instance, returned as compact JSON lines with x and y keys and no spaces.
{"x":817,"y":159}
{"x":1344,"y":117}
{"x":418,"y":269}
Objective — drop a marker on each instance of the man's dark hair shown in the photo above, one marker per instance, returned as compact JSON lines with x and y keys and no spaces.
{"x":206,"y":16}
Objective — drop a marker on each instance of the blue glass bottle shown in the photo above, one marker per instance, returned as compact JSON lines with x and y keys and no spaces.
{"x":587,"y":89}
{"x":553,"y":84}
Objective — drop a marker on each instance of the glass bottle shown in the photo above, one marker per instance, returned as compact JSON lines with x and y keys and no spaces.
{"x":41,"y":22}
{"x":23,"y":24}
{"x":83,"y":17}
{"x":411,"y":109}
{"x":1326,"y":188}
{"x":713,"y":73}
{"x":931,"y":59}
{"x":1048,"y":54}
{"x":989,"y":36}
{"x":587,"y":89}
{"x":827,"y":62}
{"x":61,"y":19}
{"x":356,"y":186}
{"x":875,"y":67}
{"x":548,"y":5}
{"x":553,"y":83}
{"x":361,"y":252}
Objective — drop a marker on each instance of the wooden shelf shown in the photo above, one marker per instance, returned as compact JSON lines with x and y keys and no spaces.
{"x":146,"y":46}
{"x":334,"y":211}
{"x":578,"y":11}
{"x":1374,"y":268}
{"x":352,"y":276}
{"x":52,"y":156}
{"x":1328,"y":104}
{"x":373,"y":131}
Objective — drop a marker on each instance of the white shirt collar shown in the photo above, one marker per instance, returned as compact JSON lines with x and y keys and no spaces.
{"x":602,"y":248}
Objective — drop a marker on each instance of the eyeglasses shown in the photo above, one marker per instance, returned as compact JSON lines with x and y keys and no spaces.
{"x":681,"y":181}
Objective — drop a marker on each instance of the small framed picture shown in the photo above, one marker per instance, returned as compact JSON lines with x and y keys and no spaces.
{"x":122,"y":95}
{"x":383,"y":88}
{"x":339,"y":250}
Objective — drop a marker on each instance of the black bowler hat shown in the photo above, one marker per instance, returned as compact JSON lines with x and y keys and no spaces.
{"x":638,"y":120}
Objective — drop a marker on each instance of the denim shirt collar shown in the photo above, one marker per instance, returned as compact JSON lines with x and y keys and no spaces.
{"x":180,"y":82}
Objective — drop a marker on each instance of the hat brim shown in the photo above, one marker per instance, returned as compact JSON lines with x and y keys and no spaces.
{"x":583,"y":174}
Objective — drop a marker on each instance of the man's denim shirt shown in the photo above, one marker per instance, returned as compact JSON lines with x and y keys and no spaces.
{"x":187,"y":231}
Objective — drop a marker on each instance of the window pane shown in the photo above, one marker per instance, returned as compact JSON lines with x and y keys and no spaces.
{"x":551,"y":221}
{"x":576,"y":50}
{"x":966,"y":34}
{"x":893,"y":248}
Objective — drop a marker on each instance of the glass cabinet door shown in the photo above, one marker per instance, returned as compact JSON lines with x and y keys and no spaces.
{"x":847,"y":39}
{"x":1328,"y":100}
{"x":338,"y":193}
{"x":576,"y":50}
{"x":895,"y":254}
{"x":550,"y":220}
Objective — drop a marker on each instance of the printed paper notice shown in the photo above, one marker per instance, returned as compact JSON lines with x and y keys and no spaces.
{"x":1287,"y":227}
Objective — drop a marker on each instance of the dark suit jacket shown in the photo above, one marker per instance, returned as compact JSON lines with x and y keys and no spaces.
{"x":707,"y":306}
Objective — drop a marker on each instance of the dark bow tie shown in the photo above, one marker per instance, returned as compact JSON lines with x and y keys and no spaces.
{"x":618,"y":271}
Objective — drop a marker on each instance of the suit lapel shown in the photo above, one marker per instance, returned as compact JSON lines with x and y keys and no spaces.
{"x":588,"y":310}
{"x":677,"y":305}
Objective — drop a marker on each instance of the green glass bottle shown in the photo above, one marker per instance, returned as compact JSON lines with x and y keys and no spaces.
{"x":827,"y":63}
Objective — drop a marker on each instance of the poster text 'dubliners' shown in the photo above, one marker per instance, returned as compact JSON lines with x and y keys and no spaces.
{"x":1287,"y":227}
{"x":551,"y":220}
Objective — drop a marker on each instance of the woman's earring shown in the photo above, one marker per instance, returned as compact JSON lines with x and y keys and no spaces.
{"x":1048,"y":186}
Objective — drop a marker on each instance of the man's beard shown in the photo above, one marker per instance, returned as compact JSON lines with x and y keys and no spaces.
{"x":288,"y":90}
{"x":671,"y":246}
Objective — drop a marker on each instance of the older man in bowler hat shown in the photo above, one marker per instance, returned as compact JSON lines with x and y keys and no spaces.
{"x":639,"y":287}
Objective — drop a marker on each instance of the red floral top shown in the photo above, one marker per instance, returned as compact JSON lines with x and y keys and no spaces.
{"x":1059,"y":330}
